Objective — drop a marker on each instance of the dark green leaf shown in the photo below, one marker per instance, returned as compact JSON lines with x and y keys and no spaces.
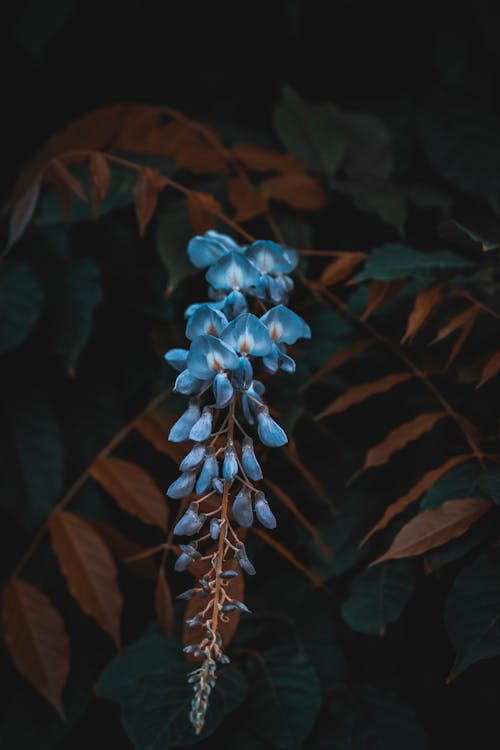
{"x":20,"y":304}
{"x":395,"y":261}
{"x":316,"y":631}
{"x":172,"y":236}
{"x":472,"y":612}
{"x":378,"y":596}
{"x":284,"y":697}
{"x":489,"y":482}
{"x":388,"y":203}
{"x":452,"y":231}
{"x":459,"y":482}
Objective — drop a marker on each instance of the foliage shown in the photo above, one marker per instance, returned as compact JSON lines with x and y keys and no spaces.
{"x":386,"y":495}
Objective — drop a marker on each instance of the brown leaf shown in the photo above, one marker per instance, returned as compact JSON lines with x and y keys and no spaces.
{"x":62,"y":174}
{"x":258,"y":159}
{"x":122,"y":548}
{"x":193,"y":152}
{"x":380,"y":292}
{"x":202,"y":209}
{"x":400,"y":437}
{"x":247,"y":201}
{"x":425,"y":482}
{"x":426,"y":302}
{"x":284,"y":552}
{"x":291,"y":453}
{"x":338,"y":359}
{"x":340,"y":268}
{"x":156,"y":432}
{"x":458,"y":321}
{"x":133,"y":489}
{"x":464,"y":333}
{"x":89,"y":569}
{"x":235,"y":587}
{"x":164,"y":606}
{"x":358,"y":393}
{"x":490,"y":369}
{"x":298,"y":190}
{"x":35,"y":634}
{"x":100,"y":179}
{"x":23,"y":211}
{"x":435,"y":527}
{"x":145,"y":198}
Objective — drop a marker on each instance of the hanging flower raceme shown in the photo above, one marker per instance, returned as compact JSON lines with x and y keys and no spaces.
{"x":219,"y":476}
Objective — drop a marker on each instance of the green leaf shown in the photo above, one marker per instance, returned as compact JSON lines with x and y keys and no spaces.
{"x":20,"y":304}
{"x":455,"y":549}
{"x":452,"y":231}
{"x":172,"y":236}
{"x":396,"y":261}
{"x":149,"y":680}
{"x":472,"y":613}
{"x":83,"y":296}
{"x":40,"y":457}
{"x":284,"y":697}
{"x":383,"y":200}
{"x":489,"y":482}
{"x":367,"y":717}
{"x":378,"y":596}
{"x":308,"y":132}
{"x":457,"y":483}
{"x":316,"y":630}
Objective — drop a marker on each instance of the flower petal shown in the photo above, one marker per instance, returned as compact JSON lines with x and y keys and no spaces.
{"x":209,"y":355}
{"x":242,"y":508}
{"x":270,"y":433}
{"x":182,"y":486}
{"x":250,"y":464}
{"x":285,"y":326}
{"x":269,"y":257}
{"x":187,"y":384}
{"x":205,"y":320}
{"x":223,"y":390}
{"x":264,"y":512}
{"x":180,"y":430}
{"x":202,"y":429}
{"x":247,"y":335}
{"x":232,"y":271}
{"x":176,"y":358}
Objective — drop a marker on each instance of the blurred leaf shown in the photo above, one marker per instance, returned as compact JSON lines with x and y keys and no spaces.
{"x":472,"y":612}
{"x":164,"y":605}
{"x":378,"y":596}
{"x":426,"y":303}
{"x":100,"y":179}
{"x":358,"y":393}
{"x":298,"y":190}
{"x":23,"y":211}
{"x":383,"y":200}
{"x":316,"y":630}
{"x":452,"y":231}
{"x":491,"y":368}
{"x":202,"y":211}
{"x":20,"y":304}
{"x":394,"y":261}
{"x":461,"y":481}
{"x":284,"y":697}
{"x":172,"y":236}
{"x":246,"y":199}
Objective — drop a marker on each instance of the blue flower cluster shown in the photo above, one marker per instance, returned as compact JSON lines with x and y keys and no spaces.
{"x":245,"y":323}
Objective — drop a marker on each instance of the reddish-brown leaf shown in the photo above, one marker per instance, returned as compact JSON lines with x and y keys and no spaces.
{"x":23,"y":211}
{"x":202,"y":210}
{"x":247,"y":201}
{"x":338,"y":359}
{"x":258,"y":159}
{"x":235,"y":587}
{"x":284,"y":552}
{"x":458,"y":321}
{"x":193,"y":152}
{"x":464,"y":334}
{"x":100,"y":179}
{"x":35,"y":634}
{"x":426,"y":302}
{"x":62,"y":174}
{"x":145,"y":198}
{"x":156,"y":432}
{"x":425,"y":482}
{"x":123,"y":548}
{"x":89,"y":569}
{"x":490,"y":369}
{"x":358,"y":393}
{"x":340,"y":268}
{"x":435,"y":527}
{"x":164,"y":606}
{"x":133,"y":489}
{"x":380,"y":292}
{"x":400,"y":437}
{"x":298,"y":190}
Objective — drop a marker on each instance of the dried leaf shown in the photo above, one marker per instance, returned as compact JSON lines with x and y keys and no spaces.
{"x":164,"y":606}
{"x":100,"y":179}
{"x":247,"y":201}
{"x":133,"y":489}
{"x":123,"y":548}
{"x":202,"y":210}
{"x":432,"y":528}
{"x":290,"y":451}
{"x":425,"y":482}
{"x":193,"y":152}
{"x":457,"y":346}
{"x":359,"y":393}
{"x":89,"y":569}
{"x":62,"y":174}
{"x":490,"y":369}
{"x":228,"y":624}
{"x":400,"y":437}
{"x":258,"y":159}
{"x":145,"y":197}
{"x":298,"y":190}
{"x":284,"y":552}
{"x":23,"y":211}
{"x":338,"y":359}
{"x":458,"y":321}
{"x":35,"y":634}
{"x":426,"y":302}
{"x":380,"y":292}
{"x":340,"y":268}
{"x":156,"y":432}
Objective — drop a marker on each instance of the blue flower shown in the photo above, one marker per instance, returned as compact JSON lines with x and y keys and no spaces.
{"x":202,"y":428}
{"x":205,"y":320}
{"x":242,"y":507}
{"x":176,"y":358}
{"x":187,"y":384}
{"x":233,"y":271}
{"x":234,"y":304}
{"x":181,"y":429}
{"x":230,"y":465}
{"x":206,"y":250}
{"x":285,"y":326}
{"x":195,"y":456}
{"x":223,"y":390}
{"x":210,"y":469}
{"x":182,"y":486}
{"x":191,"y":309}
{"x":247,"y":336}
{"x":191,"y":522}
{"x":250,"y":464}
{"x":264,"y":512}
{"x":270,"y":433}
{"x":269,"y":257}
{"x":209,"y":355}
